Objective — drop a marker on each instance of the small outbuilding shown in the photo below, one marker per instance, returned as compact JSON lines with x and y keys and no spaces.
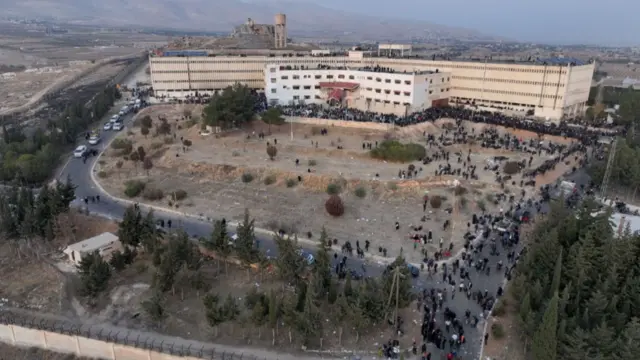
{"x":105,"y":244}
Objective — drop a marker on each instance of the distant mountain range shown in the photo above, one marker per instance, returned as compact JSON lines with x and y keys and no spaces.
{"x":303,"y":19}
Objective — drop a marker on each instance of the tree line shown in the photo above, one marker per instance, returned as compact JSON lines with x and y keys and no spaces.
{"x":316,"y":294}
{"x":31,"y":159}
{"x":579,"y":288}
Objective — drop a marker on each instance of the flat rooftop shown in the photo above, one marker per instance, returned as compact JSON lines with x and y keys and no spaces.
{"x":92,"y":244}
{"x":373,"y":69}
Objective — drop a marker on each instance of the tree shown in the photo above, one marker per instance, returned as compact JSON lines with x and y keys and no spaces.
{"x":141,"y":153}
{"x":219,"y":240}
{"x":272,"y":116}
{"x":94,"y":274}
{"x":144,"y":131}
{"x":334,"y":206}
{"x":147,"y":165}
{"x":154,"y":306}
{"x":322,"y":265}
{"x":557,"y":272}
{"x":130,"y":228}
{"x":231,"y":108}
{"x":544,"y":345}
{"x":146,"y":122}
{"x":272,"y":151}
{"x":245,"y":244}
{"x":290,"y":266}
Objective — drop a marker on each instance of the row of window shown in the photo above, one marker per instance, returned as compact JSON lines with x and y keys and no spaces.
{"x":506,"y":81}
{"x":395,"y":103}
{"x":388,"y":92}
{"x":192,"y":71}
{"x":504,"y":92}
{"x":382,"y":62}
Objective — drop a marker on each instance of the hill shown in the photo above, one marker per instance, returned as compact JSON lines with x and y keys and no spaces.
{"x":304,"y":19}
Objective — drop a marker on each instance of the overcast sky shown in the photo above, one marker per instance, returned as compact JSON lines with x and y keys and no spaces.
{"x":614,"y":22}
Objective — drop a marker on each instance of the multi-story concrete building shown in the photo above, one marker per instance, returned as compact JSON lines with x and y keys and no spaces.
{"x":551,"y":89}
{"x":375,"y":89}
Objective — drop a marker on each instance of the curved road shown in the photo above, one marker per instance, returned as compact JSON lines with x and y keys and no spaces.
{"x":80,"y":174}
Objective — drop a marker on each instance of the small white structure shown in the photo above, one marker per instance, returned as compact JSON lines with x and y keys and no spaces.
{"x":105,"y":244}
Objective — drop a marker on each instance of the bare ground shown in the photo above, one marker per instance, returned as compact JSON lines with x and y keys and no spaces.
{"x":8,"y":352}
{"x":211,"y":172}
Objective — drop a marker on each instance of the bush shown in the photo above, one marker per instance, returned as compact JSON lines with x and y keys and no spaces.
{"x":247,"y":177}
{"x":435,"y":201}
{"x":392,"y":186}
{"x":270,"y":179}
{"x":168,"y":140}
{"x":499,"y":309}
{"x":133,"y":188}
{"x":481,"y":205}
{"x":179,"y":195}
{"x":191,"y":123}
{"x":360,"y":192}
{"x":121,"y":144}
{"x":152,"y":194}
{"x":187,"y":142}
{"x":272,"y":151}
{"x":497,"y":331}
{"x":102,"y":174}
{"x":393,"y":150}
{"x":334,"y":206}
{"x":291,"y":183}
{"x":333,"y":189}
{"x":459,"y":190}
{"x":511,"y":168}
{"x":312,"y":162}
{"x":156,"y":146}
{"x":411,"y":168}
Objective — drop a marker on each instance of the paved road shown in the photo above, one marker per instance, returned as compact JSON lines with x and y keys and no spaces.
{"x":79,"y":173}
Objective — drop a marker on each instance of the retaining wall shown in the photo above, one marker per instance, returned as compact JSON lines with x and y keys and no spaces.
{"x":340,"y":123}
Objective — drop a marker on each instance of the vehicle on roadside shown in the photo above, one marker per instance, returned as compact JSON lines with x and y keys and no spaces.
{"x":80,"y":151}
{"x":114,"y":118}
{"x":94,"y":140}
{"x":117,"y":126}
{"x":107,"y":126}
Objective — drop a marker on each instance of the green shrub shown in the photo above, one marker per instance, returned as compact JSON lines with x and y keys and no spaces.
{"x":190,"y":123}
{"x":247,"y":177}
{"x":435,"y":201}
{"x":511,"y":168}
{"x":481,"y":205}
{"x":499,"y":309}
{"x":360,"y":192}
{"x":179,"y":195}
{"x":333,"y":189}
{"x":392,"y":186}
{"x":121,"y":144}
{"x":156,"y":146}
{"x":291,"y":183}
{"x":152,"y":194}
{"x":393,"y":150}
{"x":334,"y":206}
{"x":168,"y":140}
{"x":102,"y":174}
{"x":497,"y":330}
{"x":459,"y":190}
{"x":270,"y":179}
{"x":312,"y":162}
{"x":133,"y":188}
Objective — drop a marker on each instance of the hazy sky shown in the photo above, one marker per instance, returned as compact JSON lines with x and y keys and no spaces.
{"x":612,"y":22}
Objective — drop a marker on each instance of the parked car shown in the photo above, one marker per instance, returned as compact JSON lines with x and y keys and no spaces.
{"x":94,"y":140}
{"x":107,"y":126}
{"x":114,"y":118}
{"x":80,"y":151}
{"x":117,"y":126}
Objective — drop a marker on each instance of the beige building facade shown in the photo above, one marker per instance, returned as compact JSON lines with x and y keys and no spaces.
{"x":550,"y":92}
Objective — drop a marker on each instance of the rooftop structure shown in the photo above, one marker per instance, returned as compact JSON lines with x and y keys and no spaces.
{"x":105,"y":244}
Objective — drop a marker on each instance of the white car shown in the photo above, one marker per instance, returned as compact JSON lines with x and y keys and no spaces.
{"x":94,"y":140}
{"x":117,"y":126}
{"x":115,"y":118}
{"x":107,"y":126}
{"x":80,"y":151}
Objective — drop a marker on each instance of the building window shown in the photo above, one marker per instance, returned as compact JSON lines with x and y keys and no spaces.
{"x":447,"y":89}
{"x":398,"y":81}
{"x":296,"y":77}
{"x":273,"y":80}
{"x":307,"y":87}
{"x":442,"y":79}
{"x":318,"y":76}
{"x":387,"y":91}
{"x":369,"y":89}
{"x":284,"y":77}
{"x":378,"y":91}
{"x":430,"y":81}
{"x":272,"y":70}
{"x":406,"y":93}
{"x":369,"y":78}
{"x":430,"y":91}
{"x":307,"y":97}
{"x":296,"y":97}
{"x":441,"y":90}
{"x":378,"y":79}
{"x":396,"y":92}
{"x":351,"y":77}
{"x":407,"y":82}
{"x":396,"y":103}
{"x":388,"y":81}
{"x":447,"y":79}
{"x":317,"y":97}
{"x":296,"y":87}
{"x":340,"y":76}
{"x":329,"y":76}
{"x":273,"y":91}
{"x":317,"y":87}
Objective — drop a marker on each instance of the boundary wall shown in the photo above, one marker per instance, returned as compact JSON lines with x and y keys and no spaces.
{"x":339,"y":123}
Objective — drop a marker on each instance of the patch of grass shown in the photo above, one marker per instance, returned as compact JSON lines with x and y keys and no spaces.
{"x":120,"y":144}
{"x":497,"y":330}
{"x":333,"y":189}
{"x":500,"y":308}
{"x":190,"y":123}
{"x":102,"y":162}
{"x":168,"y":140}
{"x":270,"y":179}
{"x":247,"y":177}
{"x":312,"y":162}
{"x":156,"y":146}
{"x":152,"y":194}
{"x":360,"y":192}
{"x":481,"y":205}
{"x":393,"y":150}
{"x":133,"y":188}
{"x":102,"y":174}
{"x":392,"y":186}
{"x":291,"y":183}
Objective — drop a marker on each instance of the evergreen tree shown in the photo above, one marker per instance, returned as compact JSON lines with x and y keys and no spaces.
{"x":94,"y":274}
{"x":557,"y":272}
{"x":322,"y":264}
{"x":245,"y":244}
{"x":544,"y":345}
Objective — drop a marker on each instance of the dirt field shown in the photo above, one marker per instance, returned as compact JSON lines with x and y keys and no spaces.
{"x":211,"y":172}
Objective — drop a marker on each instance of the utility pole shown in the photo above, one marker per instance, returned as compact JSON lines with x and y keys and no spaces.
{"x":395,"y":285}
{"x":607,"y":173}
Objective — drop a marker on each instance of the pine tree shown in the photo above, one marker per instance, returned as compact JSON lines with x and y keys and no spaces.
{"x":322,"y":264}
{"x":94,"y":274}
{"x":245,"y":244}
{"x":544,"y":345}
{"x":557,"y":272}
{"x":348,"y":287}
